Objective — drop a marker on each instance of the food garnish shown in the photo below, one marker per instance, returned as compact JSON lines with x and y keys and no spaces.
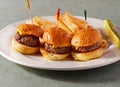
{"x":112,"y":33}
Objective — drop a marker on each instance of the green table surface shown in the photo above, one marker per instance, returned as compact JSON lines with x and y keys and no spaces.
{"x":14,"y":75}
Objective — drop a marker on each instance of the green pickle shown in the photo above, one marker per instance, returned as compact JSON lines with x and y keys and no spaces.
{"x":112,"y":33}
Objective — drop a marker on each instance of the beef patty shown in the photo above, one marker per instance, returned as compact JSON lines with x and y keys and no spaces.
{"x":28,"y":40}
{"x":87,"y":48}
{"x":57,"y":50}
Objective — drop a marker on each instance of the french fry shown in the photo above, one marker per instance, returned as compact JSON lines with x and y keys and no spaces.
{"x":67,"y":25}
{"x":81,"y":23}
{"x":48,"y":25}
{"x":39,"y":20}
{"x":73,"y":27}
{"x":62,"y":24}
{"x":43,"y":23}
{"x":30,"y":22}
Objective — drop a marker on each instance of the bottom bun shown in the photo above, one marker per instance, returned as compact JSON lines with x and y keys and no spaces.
{"x":88,"y":55}
{"x":23,"y":48}
{"x":53,"y":56}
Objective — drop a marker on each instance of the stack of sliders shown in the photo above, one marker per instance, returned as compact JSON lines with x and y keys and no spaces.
{"x":70,"y":36}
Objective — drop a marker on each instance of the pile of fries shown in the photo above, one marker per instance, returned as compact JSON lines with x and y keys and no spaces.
{"x":68,"y":22}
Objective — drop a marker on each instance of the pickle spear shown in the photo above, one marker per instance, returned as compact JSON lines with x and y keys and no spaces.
{"x":112,"y":33}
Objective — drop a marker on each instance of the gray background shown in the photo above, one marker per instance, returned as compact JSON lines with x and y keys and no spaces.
{"x":13,"y":75}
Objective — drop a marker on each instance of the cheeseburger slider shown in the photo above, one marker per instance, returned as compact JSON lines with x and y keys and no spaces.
{"x":26,"y":40}
{"x":87,"y":44}
{"x":57,"y":44}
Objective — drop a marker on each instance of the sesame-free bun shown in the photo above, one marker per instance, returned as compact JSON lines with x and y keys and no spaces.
{"x":23,"y":48}
{"x":57,"y":37}
{"x":88,"y":55}
{"x":30,"y":29}
{"x":53,"y":56}
{"x":27,"y":29}
{"x":86,"y":37}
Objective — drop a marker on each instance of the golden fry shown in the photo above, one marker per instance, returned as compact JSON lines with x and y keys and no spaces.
{"x":81,"y":23}
{"x":43,"y":23}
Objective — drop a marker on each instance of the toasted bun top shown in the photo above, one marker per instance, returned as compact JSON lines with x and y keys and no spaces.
{"x":29,"y":29}
{"x":86,"y":37}
{"x":57,"y":37}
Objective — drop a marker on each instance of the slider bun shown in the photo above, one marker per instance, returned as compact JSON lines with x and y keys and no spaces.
{"x":86,"y":37}
{"x":52,"y":56}
{"x":57,"y":37}
{"x":88,"y":55}
{"x":30,"y":29}
{"x":23,"y":48}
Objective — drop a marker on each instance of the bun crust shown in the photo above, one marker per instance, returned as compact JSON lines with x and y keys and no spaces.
{"x":86,"y":37}
{"x":52,"y":56}
{"x":30,"y":29}
{"x":23,"y":48}
{"x":88,"y":55}
{"x":57,"y":37}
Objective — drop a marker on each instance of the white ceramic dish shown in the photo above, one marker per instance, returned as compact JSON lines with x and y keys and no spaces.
{"x":111,"y":54}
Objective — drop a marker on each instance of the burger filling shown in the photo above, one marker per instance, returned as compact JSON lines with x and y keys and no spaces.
{"x":57,"y":50}
{"x":28,"y":40}
{"x":87,"y":48}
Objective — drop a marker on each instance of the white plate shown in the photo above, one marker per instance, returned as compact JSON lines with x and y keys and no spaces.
{"x":111,"y":54}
